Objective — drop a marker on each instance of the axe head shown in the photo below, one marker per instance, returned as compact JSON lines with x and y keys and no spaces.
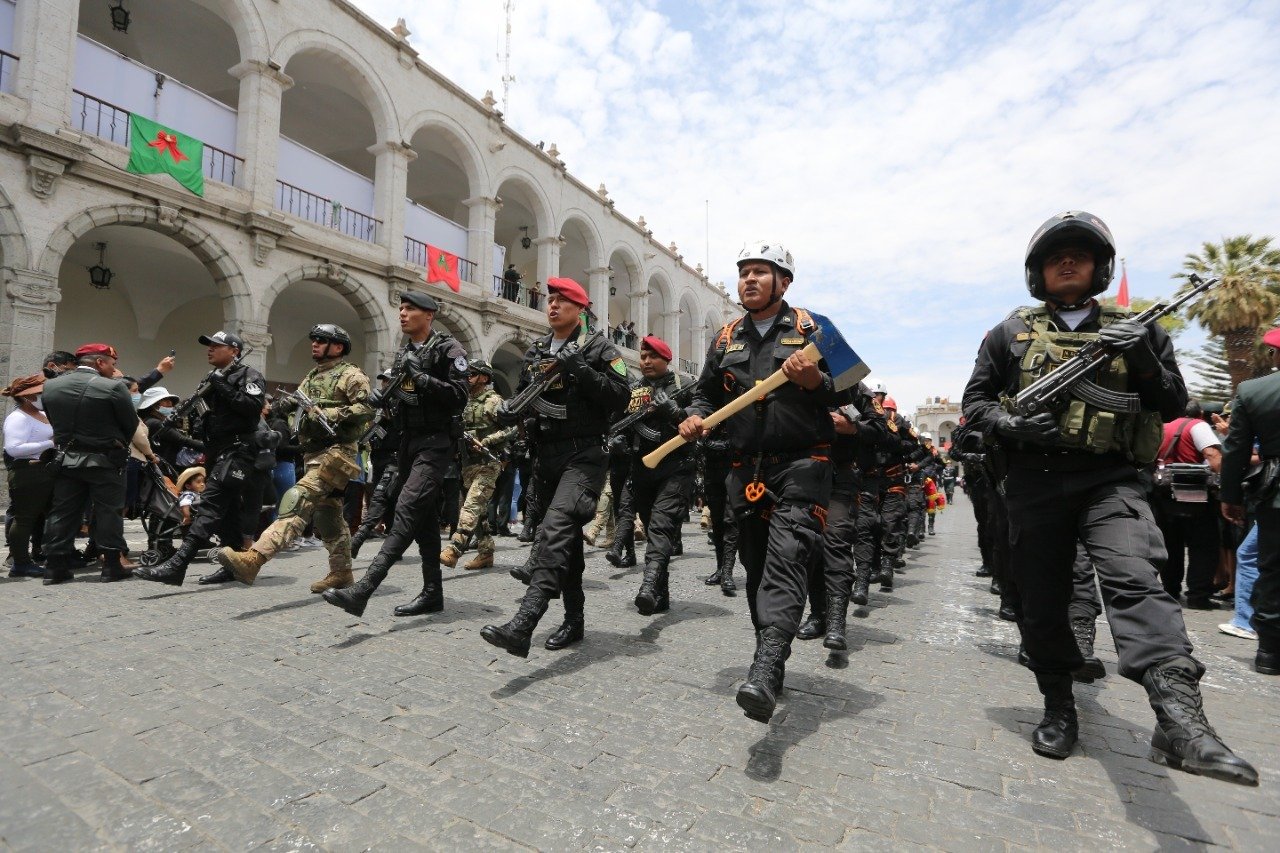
{"x":847,"y":368}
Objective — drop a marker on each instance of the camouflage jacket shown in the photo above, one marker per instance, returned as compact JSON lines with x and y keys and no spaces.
{"x":341,"y":392}
{"x":480,"y":418}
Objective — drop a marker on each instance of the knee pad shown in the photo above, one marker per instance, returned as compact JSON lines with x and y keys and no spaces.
{"x":296,"y":502}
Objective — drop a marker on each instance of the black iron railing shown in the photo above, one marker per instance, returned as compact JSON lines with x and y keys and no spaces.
{"x":326,"y":212}
{"x":415,"y":252}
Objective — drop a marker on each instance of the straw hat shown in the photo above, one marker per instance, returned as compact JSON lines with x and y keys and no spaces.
{"x":188,"y":474}
{"x":26,"y":386}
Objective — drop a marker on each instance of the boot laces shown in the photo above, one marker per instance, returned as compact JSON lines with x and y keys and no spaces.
{"x":1184,"y":688}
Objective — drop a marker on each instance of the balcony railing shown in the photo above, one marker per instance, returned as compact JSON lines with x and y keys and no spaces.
{"x":8,"y":69}
{"x":687,"y":366}
{"x":415,"y":252}
{"x":106,"y":121}
{"x":325,"y":212}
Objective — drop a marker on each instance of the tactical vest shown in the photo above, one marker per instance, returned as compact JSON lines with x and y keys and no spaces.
{"x":322,"y":387}
{"x":478,"y":420}
{"x":417,"y":413}
{"x":1086,"y":427}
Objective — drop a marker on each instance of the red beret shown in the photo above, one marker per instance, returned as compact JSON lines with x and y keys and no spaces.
{"x":569,"y":289}
{"x":1272,"y":337}
{"x":97,"y":349}
{"x":658,"y":345}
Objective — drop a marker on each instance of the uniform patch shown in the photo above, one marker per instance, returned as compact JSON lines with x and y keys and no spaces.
{"x":252,"y":389}
{"x":619,"y":366}
{"x":460,"y":364}
{"x":792,"y":342}
{"x":735,"y":347}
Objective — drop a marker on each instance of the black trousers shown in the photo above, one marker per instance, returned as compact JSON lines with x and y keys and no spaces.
{"x":566,"y":486}
{"x":1266,"y":589}
{"x":781,"y":539}
{"x":832,"y":576}
{"x":619,"y":474}
{"x":1105,"y":511}
{"x":221,"y":510}
{"x":1085,"y":603}
{"x":1191,"y":539}
{"x":724,"y":526}
{"x":979,"y":491}
{"x":73,"y":490}
{"x":998,"y":536}
{"x":416,"y":518}
{"x":868,"y":528}
{"x":893,"y":522}
{"x":661,"y":498}
{"x":30,"y":499}
{"x":915,"y":511}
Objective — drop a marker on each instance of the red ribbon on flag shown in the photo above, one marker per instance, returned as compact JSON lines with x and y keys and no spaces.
{"x":168,"y":142}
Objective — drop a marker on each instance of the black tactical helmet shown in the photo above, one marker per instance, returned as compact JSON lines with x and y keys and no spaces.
{"x":330,"y":332}
{"x":479,"y":365}
{"x":1071,"y":226}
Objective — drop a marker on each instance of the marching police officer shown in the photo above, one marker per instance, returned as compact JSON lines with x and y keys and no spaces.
{"x":658,"y":495}
{"x":572,"y":418}
{"x":93,"y":420}
{"x":232,"y":393}
{"x":780,"y":482}
{"x":485,"y":440}
{"x":327,"y":434}
{"x":1073,"y":475}
{"x":724,"y":527}
{"x":428,"y":392}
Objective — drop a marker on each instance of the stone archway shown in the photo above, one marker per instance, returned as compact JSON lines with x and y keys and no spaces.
{"x":26,"y":311}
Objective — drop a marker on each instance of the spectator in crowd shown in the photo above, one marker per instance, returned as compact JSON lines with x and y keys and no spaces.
{"x":28,"y":450}
{"x":1190,"y":527}
{"x":511,"y":283}
{"x":535,"y":296}
{"x":168,"y":440}
{"x":190,"y":486}
{"x":151,"y":378}
{"x":1246,"y":573}
{"x":58,"y":362}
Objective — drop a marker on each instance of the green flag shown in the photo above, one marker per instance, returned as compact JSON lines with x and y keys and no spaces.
{"x":154,"y":148}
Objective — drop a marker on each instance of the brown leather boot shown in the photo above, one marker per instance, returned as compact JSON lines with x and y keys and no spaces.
{"x":449,"y":556}
{"x":244,"y":565}
{"x":336,"y":579}
{"x":479,"y":561}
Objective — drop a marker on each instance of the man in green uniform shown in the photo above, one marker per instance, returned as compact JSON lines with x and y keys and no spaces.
{"x":93,"y":420}
{"x":340,"y":392}
{"x":483,"y":441}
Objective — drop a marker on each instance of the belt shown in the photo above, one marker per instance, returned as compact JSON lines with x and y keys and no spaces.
{"x":36,"y":461}
{"x":817,"y":452}
{"x":1065,"y":460}
{"x":581,"y":442}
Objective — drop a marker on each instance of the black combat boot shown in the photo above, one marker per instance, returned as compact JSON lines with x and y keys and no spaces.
{"x":1266,"y":663}
{"x":861,"y":584}
{"x":984,"y":571}
{"x":931,"y":533}
{"x":996,"y":587}
{"x":837,"y":611}
{"x":1058,"y":731}
{"x":652,"y":597}
{"x":757,"y":697}
{"x":614,"y":555}
{"x":813,"y":627}
{"x":727,"y":586}
{"x":431,"y":599}
{"x":111,"y":569}
{"x":358,"y":538}
{"x":514,"y":636}
{"x":526,"y":532}
{"x":356,"y":597}
{"x":886,"y":579}
{"x":172,"y":571}
{"x":1183,"y":738}
{"x":57,"y":569}
{"x":574,"y":625}
{"x":222,"y":574}
{"x":1085,"y":629}
{"x":628,"y":556}
{"x":524,"y":573}
{"x":715,"y":577}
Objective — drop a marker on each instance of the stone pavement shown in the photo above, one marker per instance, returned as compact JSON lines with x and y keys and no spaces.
{"x":135,"y":716}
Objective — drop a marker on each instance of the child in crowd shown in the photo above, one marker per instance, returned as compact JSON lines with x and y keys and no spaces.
{"x":190,"y":486}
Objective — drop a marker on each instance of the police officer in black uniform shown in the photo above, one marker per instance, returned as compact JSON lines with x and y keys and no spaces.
{"x":233,"y":394}
{"x":570,"y":465}
{"x":428,"y":392}
{"x":780,"y":448}
{"x":1073,"y":476}
{"x":658,"y":495}
{"x":724,"y":527}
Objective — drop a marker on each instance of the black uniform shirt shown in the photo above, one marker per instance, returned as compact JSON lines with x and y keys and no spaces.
{"x":235,"y":406}
{"x":591,"y":399}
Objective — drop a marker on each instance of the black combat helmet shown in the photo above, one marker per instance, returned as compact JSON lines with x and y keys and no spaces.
{"x":479,"y":365}
{"x":332,"y":333}
{"x":1073,"y":226}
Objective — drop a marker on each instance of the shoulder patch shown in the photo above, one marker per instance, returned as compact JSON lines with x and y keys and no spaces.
{"x":735,"y":347}
{"x":460,"y":364}
{"x":619,"y":366}
{"x":252,"y":389}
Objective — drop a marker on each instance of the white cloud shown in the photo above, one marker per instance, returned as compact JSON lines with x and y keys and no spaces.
{"x":904,"y":150}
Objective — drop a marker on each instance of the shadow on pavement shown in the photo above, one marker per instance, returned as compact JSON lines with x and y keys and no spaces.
{"x":270,"y":580}
{"x":604,"y":645}
{"x":454,"y":611}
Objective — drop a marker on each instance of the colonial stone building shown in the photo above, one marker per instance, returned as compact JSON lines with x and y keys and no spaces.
{"x":333,"y":155}
{"x":939,"y":416}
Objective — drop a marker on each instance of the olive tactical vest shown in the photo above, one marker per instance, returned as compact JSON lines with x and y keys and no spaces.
{"x":1086,"y":427}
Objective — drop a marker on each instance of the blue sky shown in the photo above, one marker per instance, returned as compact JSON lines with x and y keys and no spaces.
{"x":904,"y":151}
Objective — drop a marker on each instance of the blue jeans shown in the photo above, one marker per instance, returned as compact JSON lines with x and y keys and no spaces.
{"x":285,"y":476}
{"x":1246,"y":574}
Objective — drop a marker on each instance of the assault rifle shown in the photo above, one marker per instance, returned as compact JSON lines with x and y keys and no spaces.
{"x":1071,"y":378}
{"x":532,"y":393}
{"x":308,"y":406}
{"x":195,"y":404}
{"x":682,"y":397}
{"x":474,"y":443}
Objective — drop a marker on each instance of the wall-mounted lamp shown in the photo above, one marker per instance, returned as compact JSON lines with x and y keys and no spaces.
{"x":100,"y":274}
{"x":525,"y":242}
{"x":119,"y":17}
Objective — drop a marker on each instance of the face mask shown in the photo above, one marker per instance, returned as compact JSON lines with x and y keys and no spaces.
{"x":38,"y":403}
{"x":137,"y":398}
{"x":165,"y":410}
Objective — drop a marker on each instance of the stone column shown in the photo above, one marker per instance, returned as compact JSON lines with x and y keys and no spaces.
{"x":640,"y":311}
{"x":262,"y":86}
{"x":482,"y":217}
{"x":598,"y":289}
{"x":548,"y":258}
{"x":390,"y":184}
{"x":44,"y":39}
{"x":26,"y":319}
{"x":255,"y":335}
{"x":671,"y":334}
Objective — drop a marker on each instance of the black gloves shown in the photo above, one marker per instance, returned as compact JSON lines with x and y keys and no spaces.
{"x":571,"y":360}
{"x":1038,"y":429}
{"x":670,"y":410}
{"x":1130,"y":338}
{"x":505,"y":416}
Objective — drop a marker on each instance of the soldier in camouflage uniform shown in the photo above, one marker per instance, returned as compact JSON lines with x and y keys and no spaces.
{"x":340,"y":391}
{"x":481,"y":467}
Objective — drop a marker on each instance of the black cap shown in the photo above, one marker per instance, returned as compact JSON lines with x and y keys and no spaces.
{"x":222,"y":339}
{"x":420,"y":299}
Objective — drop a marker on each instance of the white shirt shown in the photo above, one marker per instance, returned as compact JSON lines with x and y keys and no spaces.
{"x":25,"y":437}
{"x":1075,"y":317}
{"x":1204,"y":436}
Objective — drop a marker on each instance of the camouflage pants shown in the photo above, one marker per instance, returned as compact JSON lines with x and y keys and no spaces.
{"x":478,"y":483}
{"x":316,"y":498}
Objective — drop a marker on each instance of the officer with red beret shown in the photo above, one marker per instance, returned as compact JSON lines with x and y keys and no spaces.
{"x":659,"y":495}
{"x":568,"y":428}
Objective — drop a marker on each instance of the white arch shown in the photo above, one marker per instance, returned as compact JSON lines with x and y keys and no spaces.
{"x":379,"y":337}
{"x":544,"y":219}
{"x":468,"y":151}
{"x":595,"y":245}
{"x":377,"y":99}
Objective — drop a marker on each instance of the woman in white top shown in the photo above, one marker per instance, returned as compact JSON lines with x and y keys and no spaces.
{"x":28,"y":448}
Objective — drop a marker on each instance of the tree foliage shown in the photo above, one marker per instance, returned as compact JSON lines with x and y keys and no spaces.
{"x":1211,"y":380}
{"x":1172,"y":323}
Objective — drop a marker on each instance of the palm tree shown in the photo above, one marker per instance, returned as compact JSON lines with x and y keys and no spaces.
{"x":1247,"y":298}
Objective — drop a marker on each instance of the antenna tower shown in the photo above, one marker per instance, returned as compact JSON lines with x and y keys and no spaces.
{"x":507,"y":77}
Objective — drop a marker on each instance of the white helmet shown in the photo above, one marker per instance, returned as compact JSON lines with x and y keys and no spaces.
{"x":880,"y":389}
{"x":761,"y":250}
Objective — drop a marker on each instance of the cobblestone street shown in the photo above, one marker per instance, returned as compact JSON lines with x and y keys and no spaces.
{"x":146,"y":717}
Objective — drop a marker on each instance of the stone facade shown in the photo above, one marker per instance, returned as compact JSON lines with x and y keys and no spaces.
{"x":937,"y":415}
